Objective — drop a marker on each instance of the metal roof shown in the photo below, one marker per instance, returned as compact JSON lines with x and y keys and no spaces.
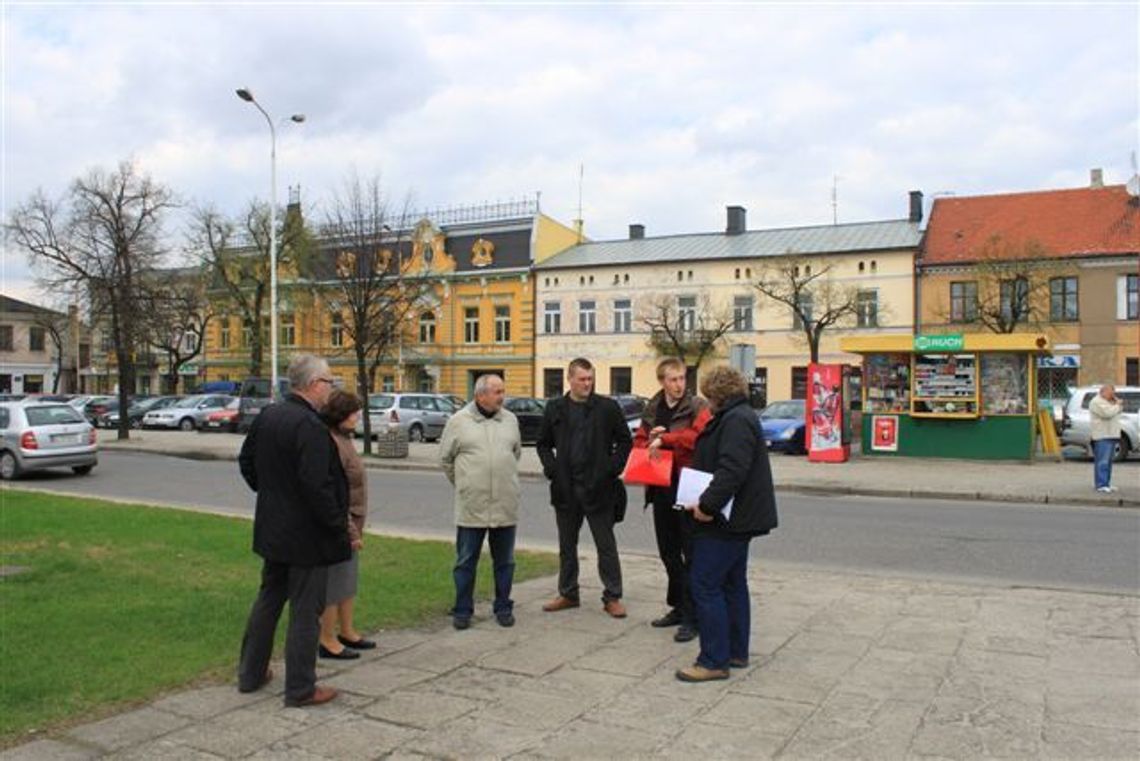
{"x":820,"y":239}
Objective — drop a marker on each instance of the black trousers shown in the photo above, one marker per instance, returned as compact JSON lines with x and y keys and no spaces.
{"x":675,"y":547}
{"x":601,"y":522}
{"x":304,"y":588}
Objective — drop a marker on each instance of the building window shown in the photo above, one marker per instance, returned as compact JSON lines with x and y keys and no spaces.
{"x":84,"y":355}
{"x":742,"y":313}
{"x":804,"y":305}
{"x":336,"y":329}
{"x":623,"y":316}
{"x":6,"y":339}
{"x":1128,"y":297}
{"x":867,"y":309}
{"x":388,"y":383}
{"x":189,"y":343}
{"x":246,"y":336}
{"x":737,"y":274}
{"x":33,"y":384}
{"x":587,"y":317}
{"x":799,"y":383}
{"x":503,"y":324}
{"x":1132,"y":371}
{"x":552,"y":317}
{"x":964,"y":301}
{"x":288,"y":329}
{"x":759,"y":387}
{"x":1063,"y":299}
{"x":551,"y":382}
{"x":224,"y":333}
{"x":471,"y":325}
{"x":1014,"y":300}
{"x":687,"y":313}
{"x":36,"y":336}
{"x":621,"y":380}
{"x":427,"y":327}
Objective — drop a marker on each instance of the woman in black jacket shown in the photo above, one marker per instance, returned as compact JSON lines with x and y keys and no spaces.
{"x":732,"y":449}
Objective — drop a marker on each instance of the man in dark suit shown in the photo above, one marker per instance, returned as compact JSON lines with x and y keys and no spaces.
{"x":300,"y":528}
{"x":583,"y":444}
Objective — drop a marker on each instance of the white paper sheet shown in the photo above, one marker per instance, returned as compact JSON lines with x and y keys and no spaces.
{"x":692,"y":485}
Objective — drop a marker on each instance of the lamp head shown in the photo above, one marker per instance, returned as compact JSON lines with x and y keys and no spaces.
{"x":298,"y":118}
{"x":245,"y":94}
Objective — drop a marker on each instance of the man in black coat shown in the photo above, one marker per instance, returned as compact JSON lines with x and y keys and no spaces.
{"x":583,"y":444}
{"x":300,"y":527}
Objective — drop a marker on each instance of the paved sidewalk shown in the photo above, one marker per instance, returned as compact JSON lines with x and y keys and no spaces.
{"x":842,"y":665}
{"x":1044,"y":481}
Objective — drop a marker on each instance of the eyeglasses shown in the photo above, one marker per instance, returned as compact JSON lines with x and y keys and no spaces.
{"x":330,"y":381}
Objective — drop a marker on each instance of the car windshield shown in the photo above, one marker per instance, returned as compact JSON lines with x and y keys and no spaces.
{"x":234,"y":405}
{"x":782,"y":411}
{"x":380,"y":401}
{"x":53,"y":414}
{"x":192,"y":401}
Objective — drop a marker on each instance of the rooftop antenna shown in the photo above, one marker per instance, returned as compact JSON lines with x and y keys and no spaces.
{"x":579,"y":223}
{"x":834,"y":199}
{"x":1133,"y":185}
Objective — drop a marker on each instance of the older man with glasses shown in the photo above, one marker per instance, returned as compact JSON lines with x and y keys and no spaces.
{"x":300,"y":528}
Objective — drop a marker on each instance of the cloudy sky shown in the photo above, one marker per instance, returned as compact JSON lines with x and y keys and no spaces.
{"x":674,"y":110}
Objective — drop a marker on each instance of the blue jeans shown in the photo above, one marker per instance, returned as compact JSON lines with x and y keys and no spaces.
{"x":1103,"y":449}
{"x":719,"y":578}
{"x":468,"y":546}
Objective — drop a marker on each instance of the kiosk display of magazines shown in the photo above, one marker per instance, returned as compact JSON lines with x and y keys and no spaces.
{"x":962,"y":395}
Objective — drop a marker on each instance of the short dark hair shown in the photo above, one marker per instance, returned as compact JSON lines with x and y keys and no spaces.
{"x":667,"y":364}
{"x":340,"y":406}
{"x":579,"y":363}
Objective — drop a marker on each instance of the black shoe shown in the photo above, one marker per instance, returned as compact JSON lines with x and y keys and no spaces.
{"x":461,"y":623}
{"x":686,"y":633}
{"x":343,"y":655}
{"x":506,"y":620}
{"x":672,"y":618}
{"x":360,"y":644}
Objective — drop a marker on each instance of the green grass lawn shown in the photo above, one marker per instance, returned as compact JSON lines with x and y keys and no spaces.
{"x":120,"y":602}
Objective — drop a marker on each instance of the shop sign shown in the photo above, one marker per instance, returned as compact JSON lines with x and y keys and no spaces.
{"x":1060,"y":360}
{"x":885,"y":433}
{"x":939,"y":342}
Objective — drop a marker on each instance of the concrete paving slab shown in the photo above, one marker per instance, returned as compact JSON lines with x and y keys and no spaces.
{"x":1102,"y":701}
{"x":468,"y":737}
{"x":534,"y":709}
{"x":1000,"y":727}
{"x":377,"y":678}
{"x":128,"y":728}
{"x":420,"y":708}
{"x":50,"y":750}
{"x":236,"y":734}
{"x":780,"y":718}
{"x":701,"y":740}
{"x":850,"y":725}
{"x":587,"y":739}
{"x":164,"y":749}
{"x":1071,"y":741}
{"x":353,"y":737}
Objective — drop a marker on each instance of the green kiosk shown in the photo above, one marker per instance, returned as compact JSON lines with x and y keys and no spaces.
{"x":964,"y":395}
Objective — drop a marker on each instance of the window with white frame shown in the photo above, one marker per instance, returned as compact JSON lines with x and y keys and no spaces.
{"x":1063,"y":304}
{"x":623,"y":316}
{"x":502,"y":324}
{"x":1128,"y":297}
{"x":552,"y":317}
{"x":471,"y":325}
{"x":189,"y":342}
{"x":336,"y":329}
{"x":288,"y":329}
{"x":804,"y":306}
{"x":867,"y":308}
{"x":427,"y":327}
{"x":224,"y":333}
{"x":742,"y":313}
{"x":587,"y":316}
{"x":687,"y":313}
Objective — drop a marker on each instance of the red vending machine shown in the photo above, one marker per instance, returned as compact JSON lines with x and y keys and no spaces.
{"x":827,"y":432}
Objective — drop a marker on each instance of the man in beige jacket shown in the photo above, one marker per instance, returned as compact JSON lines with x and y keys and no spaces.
{"x":1104,"y":432}
{"x":480,"y":452}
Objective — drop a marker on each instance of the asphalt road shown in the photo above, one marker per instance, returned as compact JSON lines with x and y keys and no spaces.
{"x":1087,"y":548}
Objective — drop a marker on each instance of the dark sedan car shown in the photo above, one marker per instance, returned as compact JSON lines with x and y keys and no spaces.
{"x":529,"y":414}
{"x":783,"y":426}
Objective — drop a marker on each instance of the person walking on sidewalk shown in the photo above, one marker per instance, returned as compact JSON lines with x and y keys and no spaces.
{"x":731,"y":449}
{"x":341,"y":414}
{"x":1104,"y":432}
{"x":671,"y":421}
{"x":583,"y":444}
{"x":479,"y":451}
{"x":300,"y":527}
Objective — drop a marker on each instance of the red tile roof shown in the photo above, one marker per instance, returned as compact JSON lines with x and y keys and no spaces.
{"x":1067,"y":223}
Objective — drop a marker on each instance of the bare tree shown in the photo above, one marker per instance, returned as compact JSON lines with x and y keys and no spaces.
{"x":811,"y":295}
{"x":236,"y":254}
{"x":180,"y":312}
{"x":100,"y":239}
{"x":371,"y":281}
{"x":55,"y":327}
{"x":687,"y":327}
{"x":1007,"y":288}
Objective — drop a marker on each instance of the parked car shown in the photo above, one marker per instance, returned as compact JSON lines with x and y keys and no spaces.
{"x":99,"y":405}
{"x":136,"y":411}
{"x":529,"y":413}
{"x":783,"y":426}
{"x":250,"y":408}
{"x":187,"y":414}
{"x":224,"y":420}
{"x":1075,"y":419}
{"x":421,"y":416}
{"x":39,"y":436}
{"x":631,"y":407}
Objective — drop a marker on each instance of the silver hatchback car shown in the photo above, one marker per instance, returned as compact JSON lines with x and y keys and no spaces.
{"x":39,"y":436}
{"x":421,"y":416}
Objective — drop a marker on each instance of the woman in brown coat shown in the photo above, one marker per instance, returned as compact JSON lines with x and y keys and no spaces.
{"x":341,"y":413}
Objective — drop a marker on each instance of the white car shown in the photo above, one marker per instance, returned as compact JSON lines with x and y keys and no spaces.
{"x":1075,"y":419}
{"x":187,"y":414}
{"x":39,"y":436}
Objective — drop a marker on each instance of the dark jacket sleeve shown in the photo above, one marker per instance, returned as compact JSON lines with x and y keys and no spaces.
{"x":316,"y":472}
{"x":735,"y":450}
{"x":546,"y":444}
{"x":247,"y":460}
{"x":623,"y":442}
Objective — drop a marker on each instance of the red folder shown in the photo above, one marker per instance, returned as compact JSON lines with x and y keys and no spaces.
{"x":644,"y":469}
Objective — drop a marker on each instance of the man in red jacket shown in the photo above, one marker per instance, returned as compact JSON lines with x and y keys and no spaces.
{"x":672,"y":420}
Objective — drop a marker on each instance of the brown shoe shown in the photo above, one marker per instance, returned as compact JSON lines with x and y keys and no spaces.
{"x":615,"y":608}
{"x":697,"y":673}
{"x":320,"y":695}
{"x":560,"y":603}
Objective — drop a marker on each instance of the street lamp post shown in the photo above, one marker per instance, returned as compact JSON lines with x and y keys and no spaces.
{"x":247,"y":95}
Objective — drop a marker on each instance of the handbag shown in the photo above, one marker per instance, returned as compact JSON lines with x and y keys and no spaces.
{"x":641,"y":469}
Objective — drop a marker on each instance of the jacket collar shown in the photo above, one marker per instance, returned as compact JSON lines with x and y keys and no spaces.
{"x":478,"y":416}
{"x":683,"y":408}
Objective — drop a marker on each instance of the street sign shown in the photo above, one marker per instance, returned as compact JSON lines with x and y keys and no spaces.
{"x":939,"y":342}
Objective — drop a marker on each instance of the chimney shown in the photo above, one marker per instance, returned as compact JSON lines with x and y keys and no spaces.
{"x":915,"y":206}
{"x":736,"y":224}
{"x":636,"y":232}
{"x":1096,"y":178}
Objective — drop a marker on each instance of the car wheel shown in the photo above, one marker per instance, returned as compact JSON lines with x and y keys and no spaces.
{"x":186,"y":424}
{"x":82,"y":470}
{"x":415,"y":433}
{"x":1120,"y":454}
{"x":136,"y":424}
{"x":9,"y":468}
